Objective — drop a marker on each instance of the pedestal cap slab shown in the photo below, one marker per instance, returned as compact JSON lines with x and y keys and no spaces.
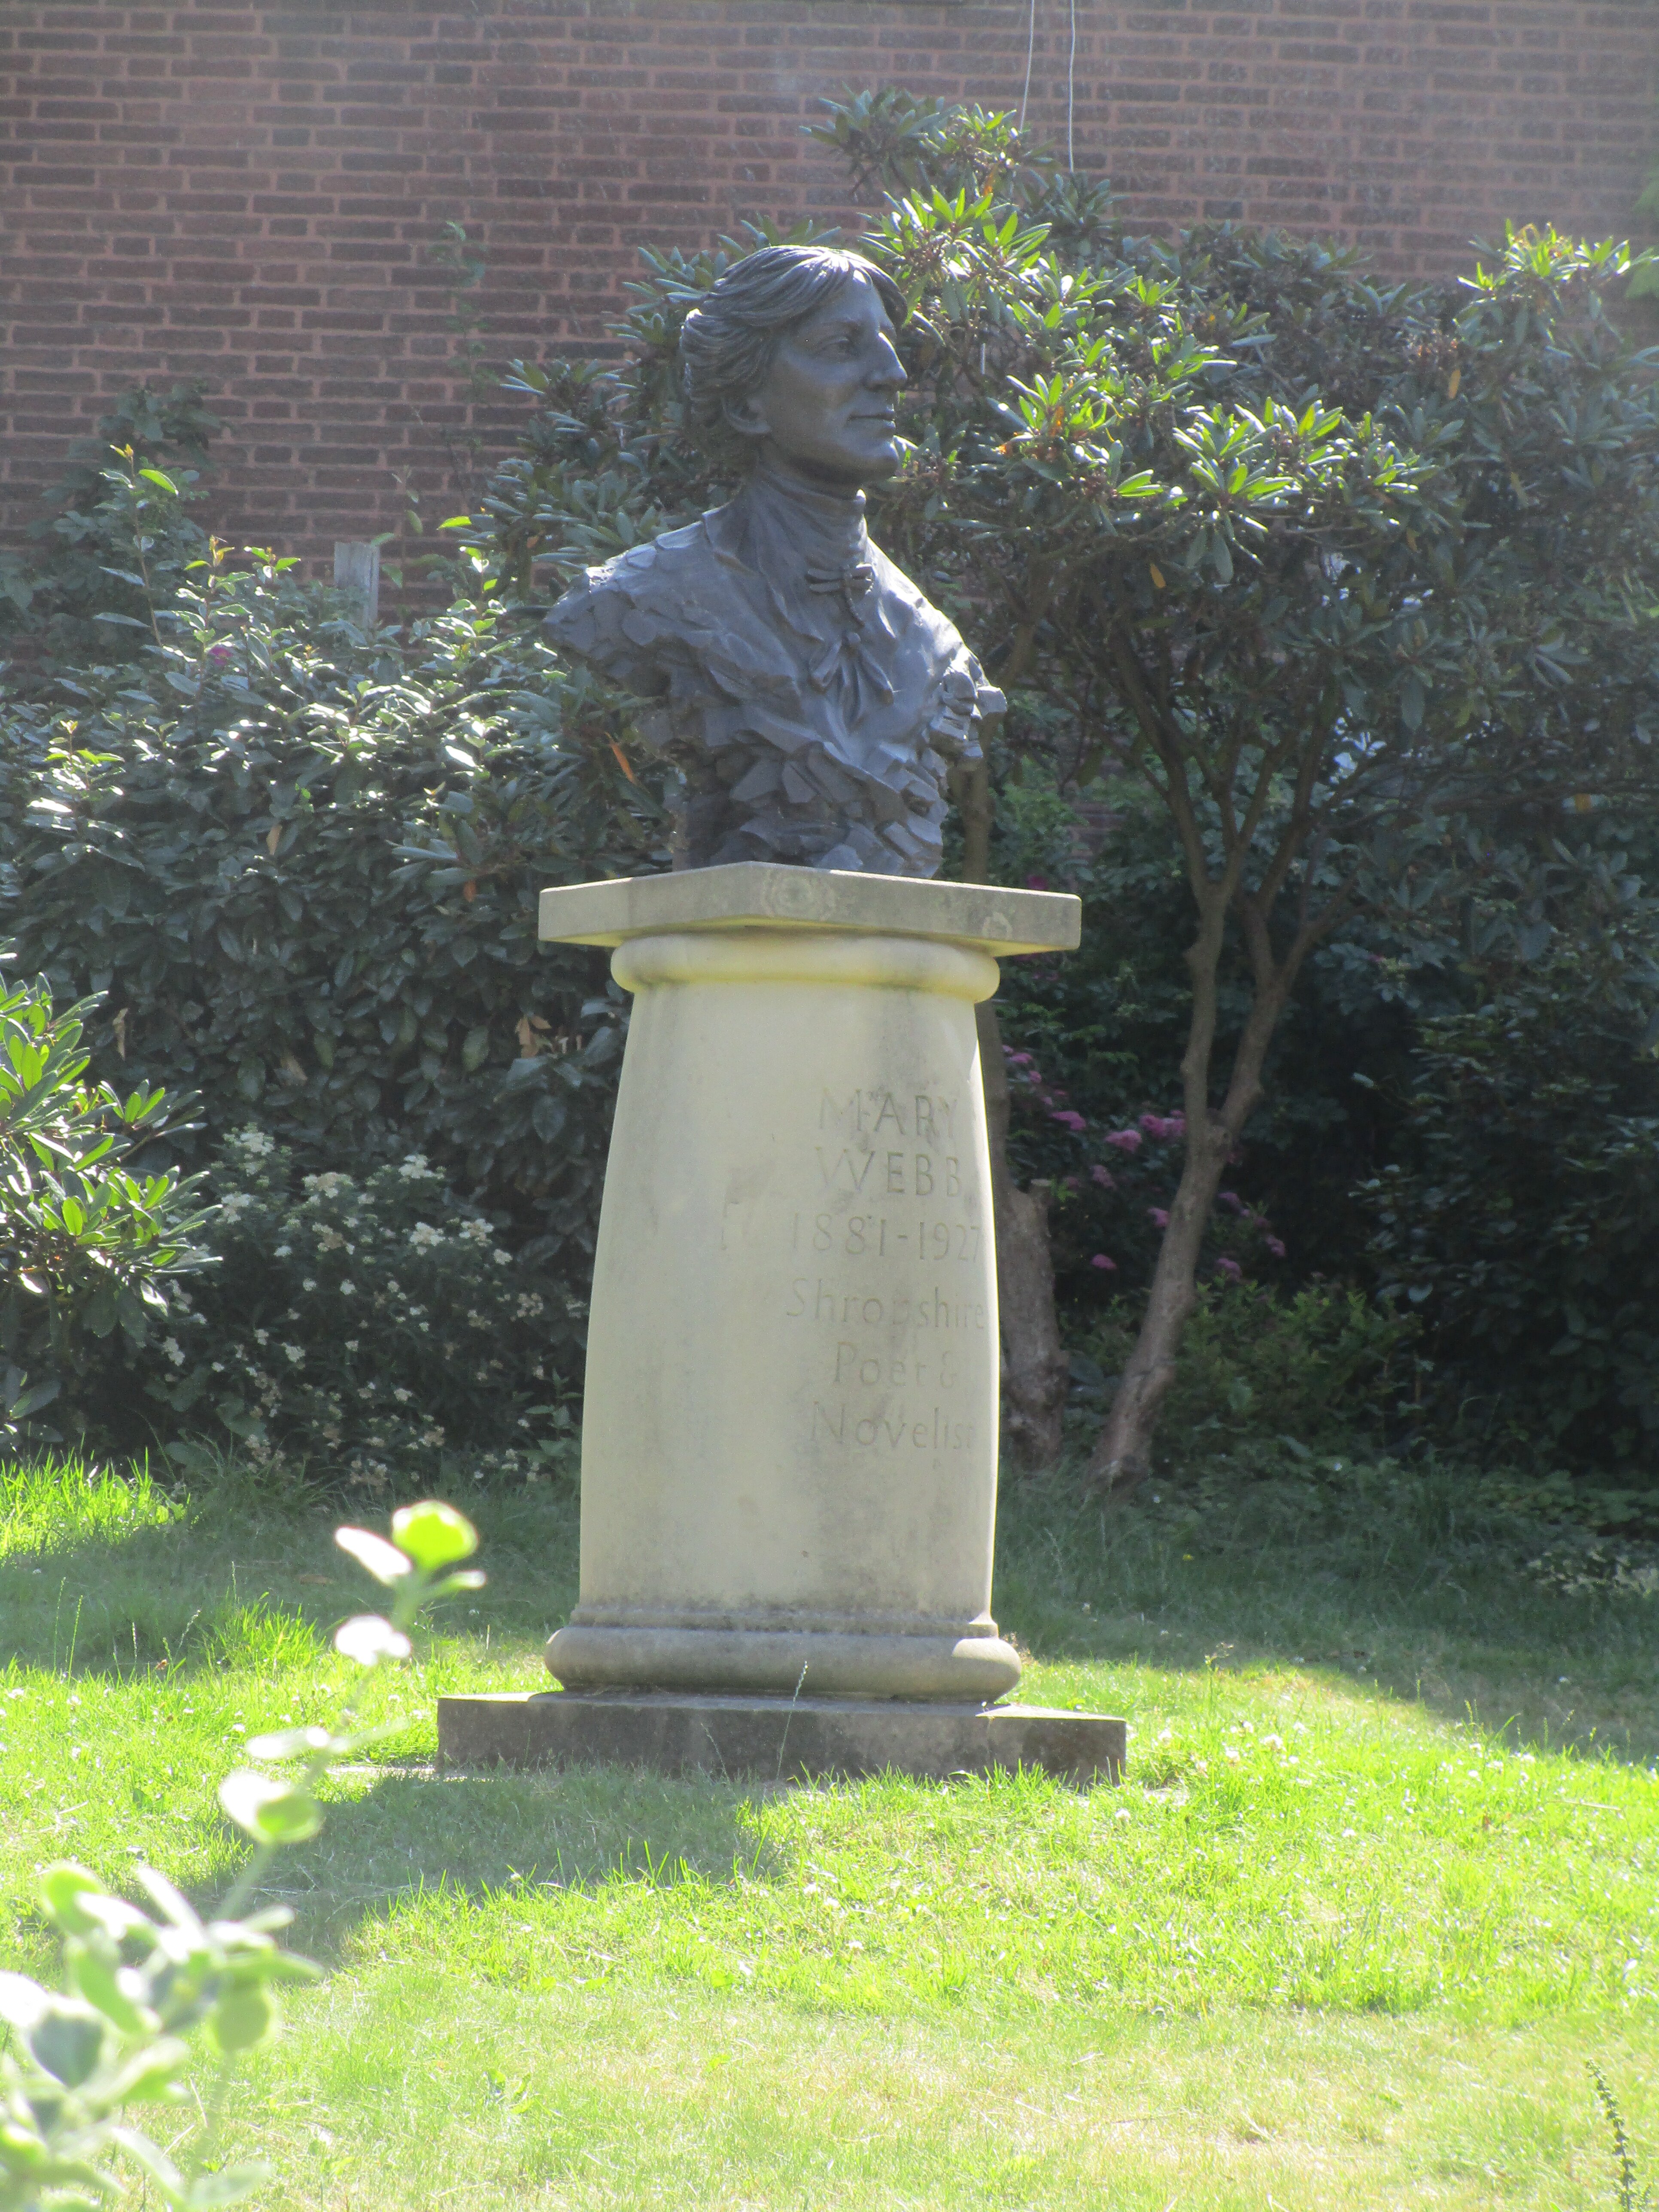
{"x":757,"y":895}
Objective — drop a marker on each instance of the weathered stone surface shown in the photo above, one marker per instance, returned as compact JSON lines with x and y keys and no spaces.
{"x":789,"y":1437}
{"x":775,"y":1738}
{"x":758,"y":895}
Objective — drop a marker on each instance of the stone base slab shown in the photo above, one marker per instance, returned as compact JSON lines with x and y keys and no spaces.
{"x":774,"y":1739}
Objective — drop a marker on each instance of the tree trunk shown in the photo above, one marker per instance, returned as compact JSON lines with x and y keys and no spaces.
{"x":1034,"y":1365}
{"x":1121,"y":1458}
{"x":1122,"y":1455}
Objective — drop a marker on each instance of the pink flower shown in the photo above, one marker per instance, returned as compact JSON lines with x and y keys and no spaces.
{"x":1231,"y":1269}
{"x":1019,"y":1059}
{"x":1164,"y":1126}
{"x":1160,"y":1217}
{"x":1230,"y":1198}
{"x":218,"y":654}
{"x":1036,"y":882}
{"x":1100,"y":1260}
{"x":1276,"y":1247}
{"x":1074,"y":1182}
{"x":1072,"y":1121}
{"x":1100,"y":1174}
{"x":1127,"y":1140}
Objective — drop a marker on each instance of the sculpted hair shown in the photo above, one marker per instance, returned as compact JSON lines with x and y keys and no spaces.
{"x":728,"y":342}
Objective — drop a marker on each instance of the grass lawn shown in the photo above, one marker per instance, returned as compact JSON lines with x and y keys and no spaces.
{"x":1385,"y":1874}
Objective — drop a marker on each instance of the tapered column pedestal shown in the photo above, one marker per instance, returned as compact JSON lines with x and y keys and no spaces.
{"x":790,"y":1425}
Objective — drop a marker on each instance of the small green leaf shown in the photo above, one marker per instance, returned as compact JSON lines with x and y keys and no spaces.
{"x":61,"y":1885}
{"x":243,"y":2019}
{"x":67,"y":2041}
{"x":230,"y":2185}
{"x":22,"y":2000}
{"x":270,"y":1812}
{"x":101,"y":1983}
{"x":151,"y":2075}
{"x":369,"y":1638}
{"x":387,"y":1563}
{"x":434,"y":1535}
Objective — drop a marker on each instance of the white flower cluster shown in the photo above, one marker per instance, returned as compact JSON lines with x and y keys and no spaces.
{"x":328,"y":1185}
{"x":392,"y":1404}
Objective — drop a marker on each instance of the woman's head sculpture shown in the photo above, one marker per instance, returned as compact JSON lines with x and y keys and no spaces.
{"x":808,"y":697}
{"x":792,"y":353}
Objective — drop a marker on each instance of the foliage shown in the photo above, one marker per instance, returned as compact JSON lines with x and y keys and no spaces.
{"x":115,"y":550}
{"x":1309,"y":559}
{"x":1628,"y":2180}
{"x":1306,"y":556}
{"x":138,"y":1985}
{"x":365,"y":1332}
{"x":1284,"y":1380}
{"x":1523,"y":1225}
{"x":89,"y":1237}
{"x":303,"y":867}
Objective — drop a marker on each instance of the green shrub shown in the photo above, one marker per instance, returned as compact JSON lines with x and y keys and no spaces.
{"x":110,"y":558}
{"x":89,"y":1236}
{"x":363,"y":1333}
{"x":1523,"y":1225}
{"x":302,"y":868}
{"x":1309,"y":1374}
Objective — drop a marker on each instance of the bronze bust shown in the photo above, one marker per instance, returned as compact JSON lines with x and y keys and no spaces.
{"x":805,"y":692}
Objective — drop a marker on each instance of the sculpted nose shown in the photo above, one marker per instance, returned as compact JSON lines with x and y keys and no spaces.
{"x":888,"y":373}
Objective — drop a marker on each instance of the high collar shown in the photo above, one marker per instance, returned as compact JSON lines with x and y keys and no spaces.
{"x":793,"y":526}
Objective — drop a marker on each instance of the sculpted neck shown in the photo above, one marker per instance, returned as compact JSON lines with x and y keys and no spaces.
{"x":814,"y":523}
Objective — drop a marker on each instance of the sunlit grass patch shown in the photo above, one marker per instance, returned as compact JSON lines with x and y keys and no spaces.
{"x":53,"y":1505}
{"x":1332,"y":1943}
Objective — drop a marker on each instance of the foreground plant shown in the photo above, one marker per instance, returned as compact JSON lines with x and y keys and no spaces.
{"x":138,"y":1985}
{"x":87,"y":1236}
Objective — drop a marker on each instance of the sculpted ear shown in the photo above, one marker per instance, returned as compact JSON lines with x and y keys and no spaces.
{"x":747,"y":416}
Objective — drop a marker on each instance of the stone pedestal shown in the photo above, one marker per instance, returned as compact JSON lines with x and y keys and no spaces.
{"x":790,"y":1432}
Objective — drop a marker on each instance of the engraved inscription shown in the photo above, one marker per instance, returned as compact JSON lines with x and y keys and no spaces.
{"x":930,"y":1120}
{"x":893,"y":1341}
{"x":873,"y":1236}
{"x":897,"y":1430}
{"x":839,"y":1308}
{"x":890,"y":1174}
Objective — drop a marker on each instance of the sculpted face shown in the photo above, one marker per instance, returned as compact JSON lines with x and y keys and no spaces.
{"x":825,"y":408}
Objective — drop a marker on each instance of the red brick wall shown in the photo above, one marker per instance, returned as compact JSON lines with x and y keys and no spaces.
{"x":249,"y":191}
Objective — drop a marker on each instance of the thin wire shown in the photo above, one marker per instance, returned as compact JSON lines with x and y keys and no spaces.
{"x":1030,"y":47}
{"x":1071,"y":86}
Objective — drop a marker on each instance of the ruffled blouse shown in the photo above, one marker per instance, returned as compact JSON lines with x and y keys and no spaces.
{"x":809,"y":696}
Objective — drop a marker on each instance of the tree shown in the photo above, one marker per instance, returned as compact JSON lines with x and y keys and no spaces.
{"x":1311,"y":555}
{"x":1317,"y":559}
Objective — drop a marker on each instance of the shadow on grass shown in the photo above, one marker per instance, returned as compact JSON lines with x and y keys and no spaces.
{"x":474,"y":1836}
{"x":1395,"y":1581}
{"x":237,"y":1578}
{"x":1390,"y":1578}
